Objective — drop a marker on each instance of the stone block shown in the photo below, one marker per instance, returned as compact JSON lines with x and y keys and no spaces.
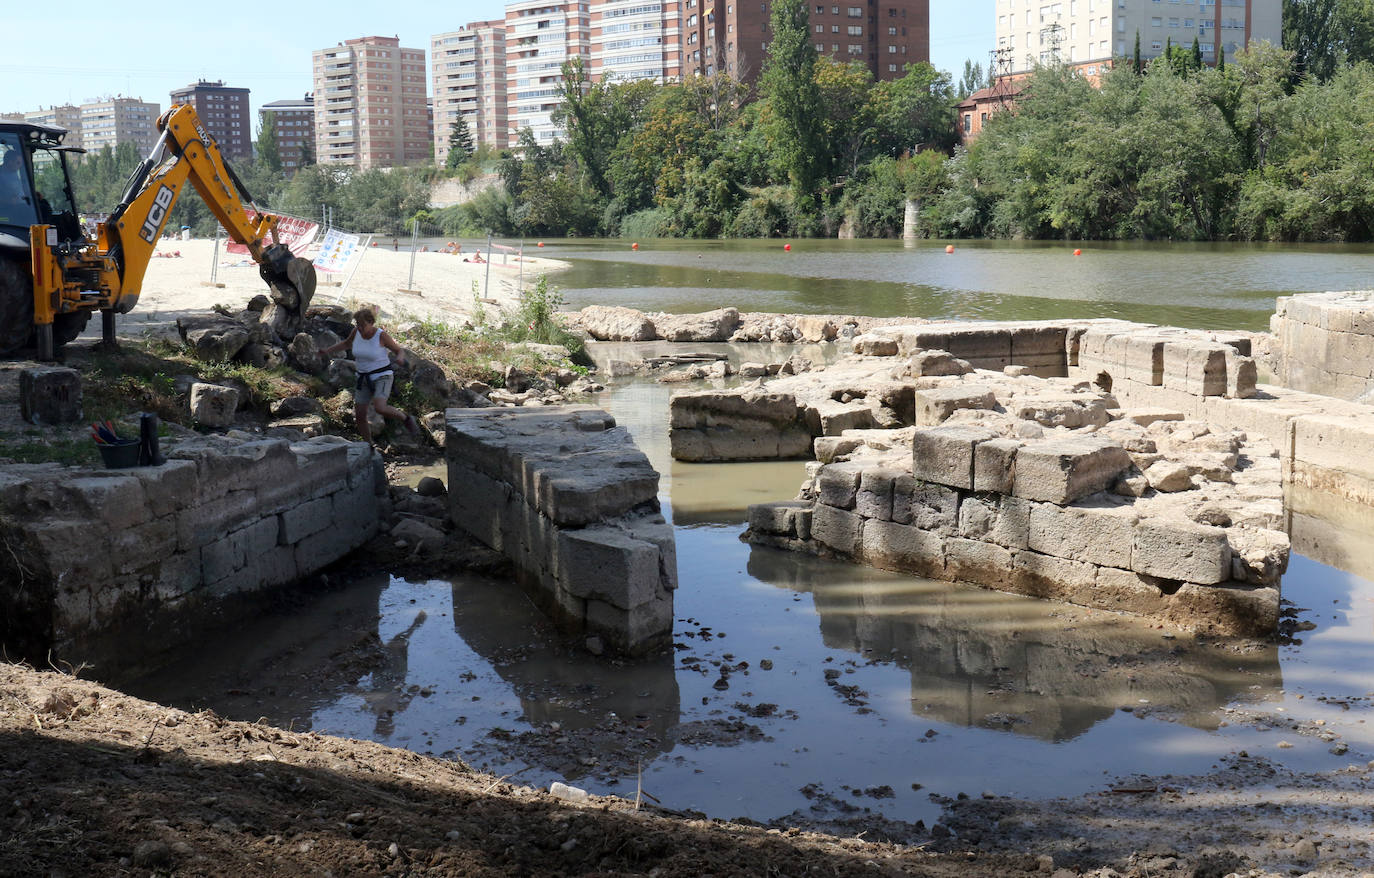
{"x":1182,"y":550}
{"x":775,"y":518}
{"x":319,"y":461}
{"x":50,"y":395}
{"x":1335,"y":443}
{"x":750,"y":442}
{"x":936,"y":363}
{"x":944,"y":454}
{"x":1147,"y":416}
{"x":606,"y":564}
{"x":994,"y":465}
{"x":634,"y":630}
{"x":837,"y":529}
{"x":1064,"y":470}
{"x":709,"y":326}
{"x":874,"y":499}
{"x":816,"y":329}
{"x":1038,"y":342}
{"x":875,"y":345}
{"x":143,"y":547}
{"x":1005,"y":521}
{"x":117,"y":500}
{"x":838,"y":485}
{"x":213,"y":405}
{"x":1100,"y":533}
{"x":710,"y":407}
{"x":1196,"y":368}
{"x":828,"y":417}
{"x":169,"y":487}
{"x":208,"y":521}
{"x":581,"y":488}
{"x":1047,"y":576}
{"x":277,"y":566}
{"x":984,"y":347}
{"x":934,"y":405}
{"x":308,"y":518}
{"x":1126,"y":591}
{"x":476,"y":502}
{"x":1241,"y":375}
{"x":903,"y":548}
{"x":656,"y":530}
{"x":978,"y":562}
{"x":828,"y":448}
{"x":1230,"y":609}
{"x":1144,"y":359}
{"x":925,"y":505}
{"x":613,"y":323}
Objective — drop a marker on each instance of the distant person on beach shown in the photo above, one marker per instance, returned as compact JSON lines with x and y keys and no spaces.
{"x":369,"y":344}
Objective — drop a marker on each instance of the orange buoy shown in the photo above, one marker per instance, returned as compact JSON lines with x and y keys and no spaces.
{"x":634,"y":246}
{"x":541,"y":243}
{"x":787,"y":247}
{"x":1078,"y":252}
{"x":949,"y":248}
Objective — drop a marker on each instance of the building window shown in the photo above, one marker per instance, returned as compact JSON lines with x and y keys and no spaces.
{"x":892,"y":68}
{"x":1156,"y":21}
{"x":856,"y":30}
{"x":820,"y":28}
{"x":856,"y":12}
{"x":968,"y":122}
{"x":891,"y":50}
{"x":892,"y":31}
{"x":1155,"y":46}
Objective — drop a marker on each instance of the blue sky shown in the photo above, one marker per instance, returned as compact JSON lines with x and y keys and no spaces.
{"x":88,"y":50}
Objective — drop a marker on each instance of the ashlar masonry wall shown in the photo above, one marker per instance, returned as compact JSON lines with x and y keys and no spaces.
{"x":564,"y":493}
{"x":104,"y":563}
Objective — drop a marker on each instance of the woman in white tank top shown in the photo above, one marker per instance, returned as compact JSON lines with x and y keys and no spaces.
{"x":370,"y":344}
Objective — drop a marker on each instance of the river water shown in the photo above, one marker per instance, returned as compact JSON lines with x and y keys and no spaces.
{"x":861,"y":689}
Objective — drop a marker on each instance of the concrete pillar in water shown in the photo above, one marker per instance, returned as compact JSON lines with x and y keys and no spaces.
{"x":913,"y":207}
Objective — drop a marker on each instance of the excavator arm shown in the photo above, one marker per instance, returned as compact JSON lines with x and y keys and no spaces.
{"x":108,"y":274}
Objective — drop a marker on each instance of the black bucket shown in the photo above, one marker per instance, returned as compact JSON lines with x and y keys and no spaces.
{"x":120,"y":454}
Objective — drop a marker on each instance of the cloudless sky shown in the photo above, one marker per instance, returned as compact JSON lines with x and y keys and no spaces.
{"x":76,"y":51}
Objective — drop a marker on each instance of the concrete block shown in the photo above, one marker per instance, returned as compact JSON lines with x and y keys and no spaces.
{"x":978,"y":562}
{"x":944,"y":455}
{"x":50,"y":395}
{"x":934,"y":405}
{"x":1002,"y":520}
{"x":874,"y":499}
{"x":837,"y":529}
{"x":1182,"y":550}
{"x":1098,"y":533}
{"x":606,"y":564}
{"x":994,"y":465}
{"x":308,"y":518}
{"x":1064,"y":470}
{"x":903,"y":548}
{"x":925,"y":505}
{"x":838,"y":484}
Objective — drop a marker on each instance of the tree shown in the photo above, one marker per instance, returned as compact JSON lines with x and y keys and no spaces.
{"x":459,"y":143}
{"x":1135,"y":61}
{"x":595,"y":116}
{"x":269,"y":155}
{"x":972,"y":79}
{"x":1308,"y":32}
{"x":789,"y":85}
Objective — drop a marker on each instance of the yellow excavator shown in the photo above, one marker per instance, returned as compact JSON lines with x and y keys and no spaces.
{"x":53,"y":276}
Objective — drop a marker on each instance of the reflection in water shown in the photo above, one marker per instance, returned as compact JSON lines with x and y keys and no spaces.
{"x":982,"y":658}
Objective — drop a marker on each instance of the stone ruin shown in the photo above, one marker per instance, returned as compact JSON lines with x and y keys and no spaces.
{"x":565,"y":495}
{"x":1004,"y":457}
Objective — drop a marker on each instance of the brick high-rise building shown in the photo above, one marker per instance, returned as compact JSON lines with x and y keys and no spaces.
{"x":293,"y":128}
{"x":1089,"y":34}
{"x":225,"y":114}
{"x":468,"y":72}
{"x":732,"y":37}
{"x":540,"y":36}
{"x":119,"y":120}
{"x":632,"y":40}
{"x":370,"y":104}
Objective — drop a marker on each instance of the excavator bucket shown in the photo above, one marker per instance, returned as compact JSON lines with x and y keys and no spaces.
{"x":292,"y":282}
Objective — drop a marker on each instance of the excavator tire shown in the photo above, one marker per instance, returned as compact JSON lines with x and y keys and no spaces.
{"x":66,"y":327}
{"x":16,"y":306}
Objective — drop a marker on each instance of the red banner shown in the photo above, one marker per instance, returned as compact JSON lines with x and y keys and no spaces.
{"x":294,"y":232}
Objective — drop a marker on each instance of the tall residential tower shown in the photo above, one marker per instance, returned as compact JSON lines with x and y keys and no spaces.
{"x":468,"y":71}
{"x":370,"y":104}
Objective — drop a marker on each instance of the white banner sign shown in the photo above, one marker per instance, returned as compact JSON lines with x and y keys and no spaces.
{"x":338,"y":251}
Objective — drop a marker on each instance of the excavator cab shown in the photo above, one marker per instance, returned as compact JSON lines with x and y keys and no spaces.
{"x":35,"y":188}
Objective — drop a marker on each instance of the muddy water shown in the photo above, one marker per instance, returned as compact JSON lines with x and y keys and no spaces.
{"x":798,"y":684}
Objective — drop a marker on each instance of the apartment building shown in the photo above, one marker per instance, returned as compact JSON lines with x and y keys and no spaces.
{"x":293,"y":129}
{"x":370,"y":104}
{"x":540,"y":36}
{"x":1089,"y":34}
{"x":636,"y":40}
{"x":468,"y":73}
{"x":117,"y":120}
{"x":225,"y":114}
{"x":732,"y":37}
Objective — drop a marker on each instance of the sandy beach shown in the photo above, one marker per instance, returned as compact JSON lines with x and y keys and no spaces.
{"x":442,"y":287}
